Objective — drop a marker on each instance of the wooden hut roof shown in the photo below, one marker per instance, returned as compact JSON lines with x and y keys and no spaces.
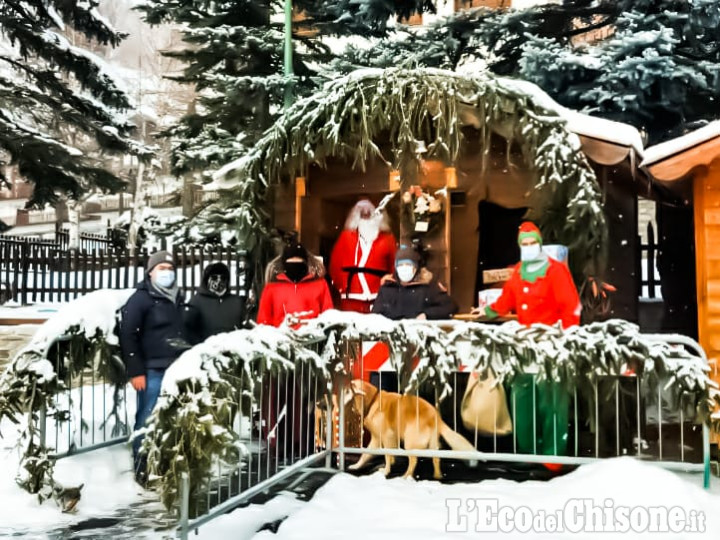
{"x":675,"y":160}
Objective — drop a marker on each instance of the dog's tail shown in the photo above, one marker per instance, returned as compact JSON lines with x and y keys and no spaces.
{"x":457,"y":441}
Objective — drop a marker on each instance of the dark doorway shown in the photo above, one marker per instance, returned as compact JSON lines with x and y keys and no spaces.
{"x":497,"y":238}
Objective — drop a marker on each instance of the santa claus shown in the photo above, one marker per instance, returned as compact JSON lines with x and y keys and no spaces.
{"x":364,"y":253}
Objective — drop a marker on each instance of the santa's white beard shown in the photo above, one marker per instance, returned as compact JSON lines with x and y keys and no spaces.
{"x":369,"y":229}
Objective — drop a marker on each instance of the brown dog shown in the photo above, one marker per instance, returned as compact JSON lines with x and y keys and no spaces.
{"x":391,"y":418}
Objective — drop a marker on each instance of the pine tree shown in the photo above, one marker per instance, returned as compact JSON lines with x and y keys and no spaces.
{"x":234,"y":57}
{"x":53,"y":92}
{"x":655,"y":68}
{"x":659,"y":70}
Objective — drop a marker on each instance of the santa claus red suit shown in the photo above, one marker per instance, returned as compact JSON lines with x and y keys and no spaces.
{"x":363,"y":254}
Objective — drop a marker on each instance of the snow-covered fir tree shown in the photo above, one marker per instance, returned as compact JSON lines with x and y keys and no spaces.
{"x":234,"y":57}
{"x":650,"y":63}
{"x":54,"y":92}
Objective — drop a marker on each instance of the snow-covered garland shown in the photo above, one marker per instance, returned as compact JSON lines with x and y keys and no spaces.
{"x":192,"y":426}
{"x":350,"y":117}
{"x":78,"y":337}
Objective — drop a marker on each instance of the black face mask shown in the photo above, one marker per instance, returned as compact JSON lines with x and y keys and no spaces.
{"x":295,"y":271}
{"x":217,"y":284}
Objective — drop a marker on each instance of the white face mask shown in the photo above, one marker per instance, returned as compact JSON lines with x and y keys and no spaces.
{"x":530,"y":253}
{"x":165,"y":278}
{"x":406,"y":272}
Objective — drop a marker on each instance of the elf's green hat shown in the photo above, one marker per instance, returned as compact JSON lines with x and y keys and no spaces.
{"x":529,"y":230}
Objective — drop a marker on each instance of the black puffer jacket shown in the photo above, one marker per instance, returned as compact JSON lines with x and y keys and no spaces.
{"x":151,"y":330}
{"x":208,"y":314}
{"x":406,"y":301}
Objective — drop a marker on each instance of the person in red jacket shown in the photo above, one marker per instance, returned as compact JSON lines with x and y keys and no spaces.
{"x":362,"y":255}
{"x":295,"y":288}
{"x":540,"y":290}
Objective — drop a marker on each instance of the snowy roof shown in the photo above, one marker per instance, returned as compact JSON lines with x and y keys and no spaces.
{"x":579,"y":123}
{"x":604,"y":130}
{"x":669,"y":148}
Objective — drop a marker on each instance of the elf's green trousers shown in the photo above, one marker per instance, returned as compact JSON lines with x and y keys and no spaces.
{"x":549,"y":436}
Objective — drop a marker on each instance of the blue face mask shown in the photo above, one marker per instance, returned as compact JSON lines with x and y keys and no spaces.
{"x":165,"y":278}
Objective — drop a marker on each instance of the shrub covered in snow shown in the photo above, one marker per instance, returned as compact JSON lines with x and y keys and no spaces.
{"x":78,"y":336}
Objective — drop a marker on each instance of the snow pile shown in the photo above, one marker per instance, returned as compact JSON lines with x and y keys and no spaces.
{"x":92,"y":315}
{"x":351,"y":507}
{"x":243,"y":524}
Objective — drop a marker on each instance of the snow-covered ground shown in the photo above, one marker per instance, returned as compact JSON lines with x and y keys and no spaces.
{"x":108,"y":489}
{"x":374,"y":507}
{"x":350,"y":507}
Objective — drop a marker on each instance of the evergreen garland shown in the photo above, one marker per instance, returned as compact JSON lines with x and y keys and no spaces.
{"x":191,"y":429}
{"x":350,"y":117}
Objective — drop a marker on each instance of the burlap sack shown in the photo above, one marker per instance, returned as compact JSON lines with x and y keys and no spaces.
{"x":484,"y":407}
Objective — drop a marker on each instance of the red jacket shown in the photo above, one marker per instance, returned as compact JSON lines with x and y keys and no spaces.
{"x":549,"y":299}
{"x":347,"y":252}
{"x":311,"y":296}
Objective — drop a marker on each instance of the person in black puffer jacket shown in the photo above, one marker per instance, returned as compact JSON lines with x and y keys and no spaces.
{"x":411,"y":292}
{"x":214,"y":309}
{"x":151,"y":338}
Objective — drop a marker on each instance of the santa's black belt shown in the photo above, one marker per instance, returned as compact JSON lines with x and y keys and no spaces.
{"x":354,"y":270}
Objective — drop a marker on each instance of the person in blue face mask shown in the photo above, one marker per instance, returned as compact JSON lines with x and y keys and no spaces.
{"x":411,"y":292}
{"x":151,"y":338}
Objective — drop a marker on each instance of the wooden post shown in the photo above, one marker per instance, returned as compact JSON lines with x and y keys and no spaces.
{"x":706,"y":202}
{"x":450,"y":183}
{"x":300,"y":192}
{"x":393,"y":180}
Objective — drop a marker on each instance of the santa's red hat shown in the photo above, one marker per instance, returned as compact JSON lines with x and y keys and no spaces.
{"x":529,"y":230}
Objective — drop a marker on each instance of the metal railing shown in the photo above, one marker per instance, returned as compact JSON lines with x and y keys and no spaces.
{"x":277,"y":441}
{"x":90,"y":412}
{"x":275,"y":422}
{"x":678,"y":460}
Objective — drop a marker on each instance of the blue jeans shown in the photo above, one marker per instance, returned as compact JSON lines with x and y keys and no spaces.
{"x":146,"y":400}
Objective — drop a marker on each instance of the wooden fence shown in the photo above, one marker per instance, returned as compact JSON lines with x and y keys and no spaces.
{"x":42,"y":271}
